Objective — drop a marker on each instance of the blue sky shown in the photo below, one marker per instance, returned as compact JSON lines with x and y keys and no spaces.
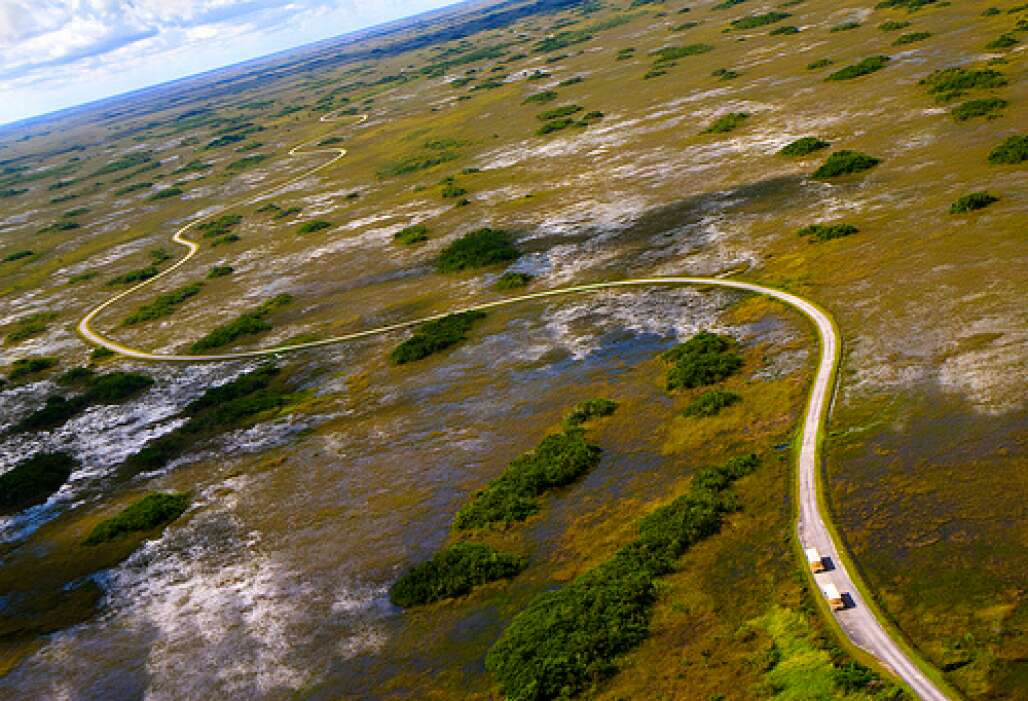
{"x":60,"y":53}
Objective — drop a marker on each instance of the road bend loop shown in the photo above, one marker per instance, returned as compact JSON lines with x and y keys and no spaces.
{"x":858,"y":621}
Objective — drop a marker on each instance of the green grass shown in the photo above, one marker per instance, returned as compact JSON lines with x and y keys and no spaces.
{"x":754,"y":21}
{"x":972,"y":202}
{"x":540,"y":98}
{"x":569,"y":639}
{"x":1012,"y":151}
{"x":410,"y":235}
{"x":313,"y":225}
{"x":558,"y":112}
{"x":454,"y":572}
{"x":26,"y":367}
{"x":513,"y":281}
{"x":130,"y":161}
{"x":246,"y":324}
{"x":726,"y":123}
{"x":166,"y":193}
{"x":134,"y":276}
{"x":673,"y":53}
{"x":480,"y":248}
{"x":804,"y":146}
{"x":222,"y":240}
{"x":245,"y":162}
{"x":435,"y":336}
{"x":29,"y":326}
{"x":949,"y":83}
{"x":988,"y":107}
{"x":711,"y":403}
{"x":704,"y":359}
{"x":586,"y":411}
{"x":17,"y":255}
{"x":845,"y":162}
{"x":219,"y":271}
{"x":32,"y":480}
{"x":861,"y":68}
{"x":417,"y":162}
{"x":893,"y":26}
{"x":164,"y":305}
{"x":147,"y":514}
{"x":558,"y":460}
{"x":1003,"y":41}
{"x":134,"y":187}
{"x":219,"y":226}
{"x":827,"y":232}
{"x":911,"y":38}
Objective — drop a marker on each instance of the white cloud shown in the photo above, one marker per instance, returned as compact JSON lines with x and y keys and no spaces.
{"x":58,"y":53}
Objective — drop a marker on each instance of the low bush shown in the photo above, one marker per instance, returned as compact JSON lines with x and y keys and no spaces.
{"x":435,"y":336}
{"x":33,"y":480}
{"x":17,"y":255}
{"x":222,"y":240}
{"x":150,"y":512}
{"x":673,"y":53}
{"x":971,"y":202}
{"x":558,"y":460}
{"x":845,"y":162}
{"x":625,"y":54}
{"x":480,"y":248}
{"x":949,"y":83}
{"x":220,"y":271}
{"x":219,"y":226}
{"x":1003,"y":41}
{"x":130,"y":161}
{"x":911,"y":38}
{"x":726,"y":123}
{"x":134,"y":276}
{"x":804,"y":146}
{"x":245,"y":162}
{"x":909,"y":5}
{"x":24,"y":367}
{"x":827,"y":232}
{"x":246,"y":324}
{"x":134,"y":187}
{"x":725,"y":74}
{"x":417,"y":162}
{"x":820,"y":63}
{"x":113,"y":388}
{"x":454,"y":572}
{"x":569,"y":639}
{"x":704,"y":359}
{"x":1011,"y":152}
{"x":410,"y":235}
{"x":893,"y":26}
{"x":554,"y":125}
{"x":787,"y":29}
{"x":684,"y":26}
{"x":168,"y":192}
{"x":312,"y":226}
{"x":864,"y":67}
{"x":845,"y":27}
{"x":588,"y":410}
{"x":988,"y":107}
{"x":163,"y":305}
{"x":558,"y":112}
{"x":711,"y":403}
{"x":512,"y":281}
{"x":29,"y":326}
{"x":754,"y":21}
{"x":540,"y":98}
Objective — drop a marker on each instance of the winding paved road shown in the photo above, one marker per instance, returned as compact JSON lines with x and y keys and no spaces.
{"x":858,"y":621}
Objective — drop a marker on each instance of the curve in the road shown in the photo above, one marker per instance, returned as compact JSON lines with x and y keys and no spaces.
{"x":858,"y":622}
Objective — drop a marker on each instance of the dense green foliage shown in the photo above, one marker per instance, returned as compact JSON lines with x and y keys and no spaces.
{"x":134,"y":276}
{"x":220,"y":271}
{"x":17,"y":255}
{"x":246,"y":324}
{"x":988,"y":107}
{"x":786,"y":30}
{"x":409,"y":235}
{"x":845,"y":162}
{"x":827,"y":232}
{"x":29,"y":326}
{"x":673,"y":53}
{"x":150,"y":512}
{"x":113,"y":388}
{"x":163,"y":305}
{"x":313,"y":225}
{"x":949,"y":83}
{"x":911,"y":38}
{"x":134,"y":187}
{"x":245,"y":162}
{"x":514,"y":496}
{"x":480,"y":248}
{"x":23,"y":367}
{"x":512,"y":281}
{"x":1003,"y":41}
{"x":219,"y":226}
{"x":1011,"y":152}
{"x":704,"y":359}
{"x":568,"y":639}
{"x":971,"y":202}
{"x":454,"y":572}
{"x":540,"y":98}
{"x":893,"y":26}
{"x":909,"y":5}
{"x":435,"y":336}
{"x":554,"y":125}
{"x":556,"y":112}
{"x":804,"y":146}
{"x":845,"y":27}
{"x":711,"y":403}
{"x":754,"y":21}
{"x":726,"y":122}
{"x":34,"y":479}
{"x":588,"y":410}
{"x":166,"y":193}
{"x":864,"y":67}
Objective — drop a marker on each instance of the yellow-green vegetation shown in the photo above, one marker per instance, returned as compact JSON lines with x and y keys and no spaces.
{"x":149,"y":513}
{"x":220,"y":271}
{"x":711,"y":403}
{"x":754,"y":21}
{"x":167,"y":193}
{"x":219,"y":226}
{"x":513,"y":281}
{"x":410,"y":235}
{"x":18,"y":255}
{"x":26,"y":367}
{"x":1003,"y":41}
{"x":845,"y":162}
{"x":478,"y":249}
{"x":246,"y":324}
{"x":558,"y":460}
{"x":313,"y":225}
{"x":727,"y":122}
{"x":845,"y":27}
{"x":586,"y":411}
{"x":972,"y":202}
{"x":784,"y":31}
{"x":804,"y":146}
{"x":113,"y":388}
{"x":911,"y":38}
{"x":820,"y":63}
{"x":894,"y":25}
{"x":987,"y":107}
{"x":567,"y":640}
{"x":454,"y":572}
{"x":1012,"y":151}
{"x":29,"y":326}
{"x":34,"y":479}
{"x":435,"y":336}
{"x":163,"y":305}
{"x":950,"y":83}
{"x":827,"y":232}
{"x":704,"y":359}
{"x":134,"y":276}
{"x":861,"y":68}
